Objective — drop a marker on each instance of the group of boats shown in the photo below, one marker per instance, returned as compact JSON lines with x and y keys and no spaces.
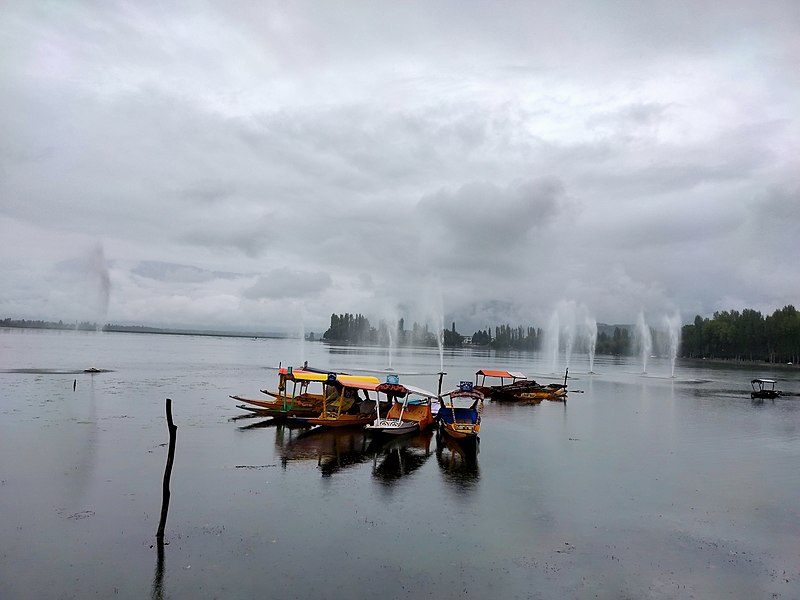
{"x":328,"y":399}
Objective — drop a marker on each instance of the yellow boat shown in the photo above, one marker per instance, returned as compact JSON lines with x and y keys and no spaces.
{"x":348,"y":402}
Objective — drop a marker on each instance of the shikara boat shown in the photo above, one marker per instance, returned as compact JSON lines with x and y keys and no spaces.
{"x":505,"y":377}
{"x":290,"y":385}
{"x":460,"y":411}
{"x":410,"y":409}
{"x":347,"y":402}
{"x":523,"y":389}
{"x":764,"y":388}
{"x":302,"y":393}
{"x":298,"y":402}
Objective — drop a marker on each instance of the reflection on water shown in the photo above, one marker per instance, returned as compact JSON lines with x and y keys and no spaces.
{"x":334,"y":449}
{"x":458,"y":459}
{"x":394,"y":458}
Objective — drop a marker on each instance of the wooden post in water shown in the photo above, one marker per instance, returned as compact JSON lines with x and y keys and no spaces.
{"x":167,"y":474}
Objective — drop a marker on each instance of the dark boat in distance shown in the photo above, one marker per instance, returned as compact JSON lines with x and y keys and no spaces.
{"x":764,"y":388}
{"x":520,"y":388}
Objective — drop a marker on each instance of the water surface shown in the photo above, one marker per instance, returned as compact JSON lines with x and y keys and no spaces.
{"x":639,"y":486}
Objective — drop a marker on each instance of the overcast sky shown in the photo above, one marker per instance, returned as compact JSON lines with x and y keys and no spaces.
{"x":265,"y":164}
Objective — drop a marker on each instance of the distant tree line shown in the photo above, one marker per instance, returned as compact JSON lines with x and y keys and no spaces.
{"x":34,"y":324}
{"x":350,"y":328}
{"x":509,"y":338}
{"x":746,"y":335}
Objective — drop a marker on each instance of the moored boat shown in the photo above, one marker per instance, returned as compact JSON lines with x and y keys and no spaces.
{"x":486,"y":389}
{"x":299,"y":402}
{"x":410,"y":409}
{"x":347,"y":402}
{"x":460,"y":411}
{"x":529,"y":390}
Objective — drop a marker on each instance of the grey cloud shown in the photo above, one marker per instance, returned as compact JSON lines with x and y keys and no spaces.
{"x":288,"y":283}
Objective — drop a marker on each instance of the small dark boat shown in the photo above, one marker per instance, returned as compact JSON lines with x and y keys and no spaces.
{"x":764,"y":388}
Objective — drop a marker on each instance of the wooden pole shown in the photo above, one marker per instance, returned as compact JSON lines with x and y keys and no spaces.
{"x":167,"y":474}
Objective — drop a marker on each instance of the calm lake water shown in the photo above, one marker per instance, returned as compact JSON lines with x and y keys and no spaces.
{"x":637,"y":487}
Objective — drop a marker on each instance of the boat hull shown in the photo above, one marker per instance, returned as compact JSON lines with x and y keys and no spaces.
{"x":279,"y":409}
{"x":529,"y":393}
{"x":341,"y":421}
{"x":393,"y":427}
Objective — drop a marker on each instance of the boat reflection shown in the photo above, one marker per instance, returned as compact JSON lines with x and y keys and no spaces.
{"x":333,"y":449}
{"x":394,"y":458}
{"x":458,"y":459}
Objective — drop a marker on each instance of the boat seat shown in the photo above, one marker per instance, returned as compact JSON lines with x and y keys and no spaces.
{"x":367,"y":407}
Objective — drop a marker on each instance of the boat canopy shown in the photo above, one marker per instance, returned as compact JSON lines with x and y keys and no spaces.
{"x":502,"y":374}
{"x":401,"y":390}
{"x":306,"y":376}
{"x":358,"y":383}
{"x":763,"y":381}
{"x":324,"y":376}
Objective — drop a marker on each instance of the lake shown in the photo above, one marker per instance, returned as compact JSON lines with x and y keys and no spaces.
{"x":639,"y":486}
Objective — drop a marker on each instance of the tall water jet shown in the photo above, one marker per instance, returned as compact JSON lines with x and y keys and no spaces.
{"x":101,"y":281}
{"x":551,"y":340}
{"x":302,"y":333}
{"x":644,"y":340}
{"x":673,"y":325}
{"x":392,"y":330}
{"x":590,"y":333}
{"x":568,"y":329}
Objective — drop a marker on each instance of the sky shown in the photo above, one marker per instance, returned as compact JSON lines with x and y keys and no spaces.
{"x":262,"y":165}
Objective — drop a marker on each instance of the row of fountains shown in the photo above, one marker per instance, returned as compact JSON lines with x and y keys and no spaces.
{"x":572,"y":330}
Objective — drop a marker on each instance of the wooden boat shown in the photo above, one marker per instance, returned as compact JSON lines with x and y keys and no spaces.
{"x":298,"y":402}
{"x":344,"y":406}
{"x":295,"y":399}
{"x":528,"y":390}
{"x":461,"y":422}
{"x":298,"y":380}
{"x":481,"y":375}
{"x":764,"y":388}
{"x":410,"y":409}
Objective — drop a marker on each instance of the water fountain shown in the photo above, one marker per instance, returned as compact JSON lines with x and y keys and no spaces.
{"x":573,"y":328}
{"x":567,"y":319}
{"x":673,"y":325}
{"x":644,"y":340}
{"x":99,"y":275}
{"x":302,"y":332}
{"x":590,"y":337}
{"x":551,"y":340}
{"x":100,"y":279}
